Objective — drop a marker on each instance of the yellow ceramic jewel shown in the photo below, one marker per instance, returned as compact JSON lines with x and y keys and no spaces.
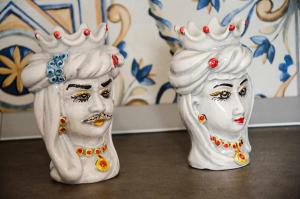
{"x":102,"y":164}
{"x":241,"y":158}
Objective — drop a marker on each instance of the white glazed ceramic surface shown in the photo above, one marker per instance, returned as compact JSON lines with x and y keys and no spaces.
{"x":75,"y":115}
{"x":215,"y":101}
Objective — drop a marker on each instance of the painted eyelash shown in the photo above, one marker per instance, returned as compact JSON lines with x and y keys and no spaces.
{"x":217,"y":95}
{"x":79,"y":97}
{"x":218,"y":99}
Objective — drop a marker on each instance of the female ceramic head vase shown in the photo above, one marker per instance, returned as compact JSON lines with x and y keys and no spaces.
{"x":72,"y":81}
{"x":214,"y":94}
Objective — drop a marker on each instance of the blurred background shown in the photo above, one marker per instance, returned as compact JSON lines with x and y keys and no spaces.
{"x":143,"y":32}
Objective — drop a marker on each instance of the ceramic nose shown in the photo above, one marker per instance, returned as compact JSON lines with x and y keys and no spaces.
{"x":238,"y":106}
{"x":97,"y":105}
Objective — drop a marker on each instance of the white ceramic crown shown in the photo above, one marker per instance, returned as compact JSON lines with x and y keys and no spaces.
{"x":83,"y":39}
{"x":211,"y":36}
{"x":215,"y":95}
{"x":72,"y":81}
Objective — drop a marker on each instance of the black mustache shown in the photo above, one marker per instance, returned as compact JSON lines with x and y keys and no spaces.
{"x":97,"y":116}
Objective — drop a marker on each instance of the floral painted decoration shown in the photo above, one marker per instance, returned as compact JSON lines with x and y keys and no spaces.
{"x":12,"y":61}
{"x":164,"y":26}
{"x":142,"y":75}
{"x":121,"y":46}
{"x":283,"y":67}
{"x":264,"y":46}
{"x":55,"y":68}
{"x":209,"y":4}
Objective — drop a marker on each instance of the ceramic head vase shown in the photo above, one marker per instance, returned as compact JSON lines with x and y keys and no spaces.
{"x":215,"y":95}
{"x":72,"y":81}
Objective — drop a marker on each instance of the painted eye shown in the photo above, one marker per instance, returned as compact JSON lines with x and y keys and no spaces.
{"x":221,"y":95}
{"x":224,"y":95}
{"x":105,"y":93}
{"x":81,"y":97}
{"x":243,"y":91}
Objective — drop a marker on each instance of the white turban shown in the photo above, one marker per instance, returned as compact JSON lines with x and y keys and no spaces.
{"x":79,"y":65}
{"x":189,"y":69}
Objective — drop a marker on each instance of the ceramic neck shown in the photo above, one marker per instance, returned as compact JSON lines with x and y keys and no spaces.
{"x":89,"y":141}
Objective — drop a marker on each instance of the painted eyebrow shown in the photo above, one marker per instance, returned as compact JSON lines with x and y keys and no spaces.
{"x":104,"y":84}
{"x":79,"y":86}
{"x":229,"y":85}
{"x":245,"y":80}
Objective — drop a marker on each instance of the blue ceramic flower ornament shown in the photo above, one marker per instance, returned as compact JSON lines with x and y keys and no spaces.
{"x":55,"y":68}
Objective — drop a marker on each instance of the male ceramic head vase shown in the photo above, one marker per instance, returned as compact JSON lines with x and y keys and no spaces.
{"x":214,"y":94}
{"x":72,"y":80}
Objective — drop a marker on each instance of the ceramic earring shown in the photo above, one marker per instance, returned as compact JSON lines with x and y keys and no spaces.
{"x":62,"y":125}
{"x":202,"y":118}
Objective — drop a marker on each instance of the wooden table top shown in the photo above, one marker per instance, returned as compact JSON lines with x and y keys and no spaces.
{"x":154,"y":165}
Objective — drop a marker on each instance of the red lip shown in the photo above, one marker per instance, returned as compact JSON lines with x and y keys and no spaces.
{"x":239,"y":120}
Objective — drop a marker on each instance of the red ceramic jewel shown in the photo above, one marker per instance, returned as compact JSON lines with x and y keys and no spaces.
{"x":115,"y":60}
{"x":86,"y":32}
{"x":97,"y":151}
{"x":103,"y":163}
{"x":231,"y":27}
{"x":181,"y":30}
{"x":57,"y":34}
{"x":213,"y":62}
{"x":206,"y":29}
{"x":79,"y":150}
{"x":201,"y":117}
{"x":242,"y":156}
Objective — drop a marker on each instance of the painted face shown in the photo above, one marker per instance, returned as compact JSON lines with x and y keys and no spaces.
{"x":88,"y":106}
{"x":226,"y":104}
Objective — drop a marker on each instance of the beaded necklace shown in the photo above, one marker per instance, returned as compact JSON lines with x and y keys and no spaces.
{"x":239,"y":157}
{"x":101,"y":163}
